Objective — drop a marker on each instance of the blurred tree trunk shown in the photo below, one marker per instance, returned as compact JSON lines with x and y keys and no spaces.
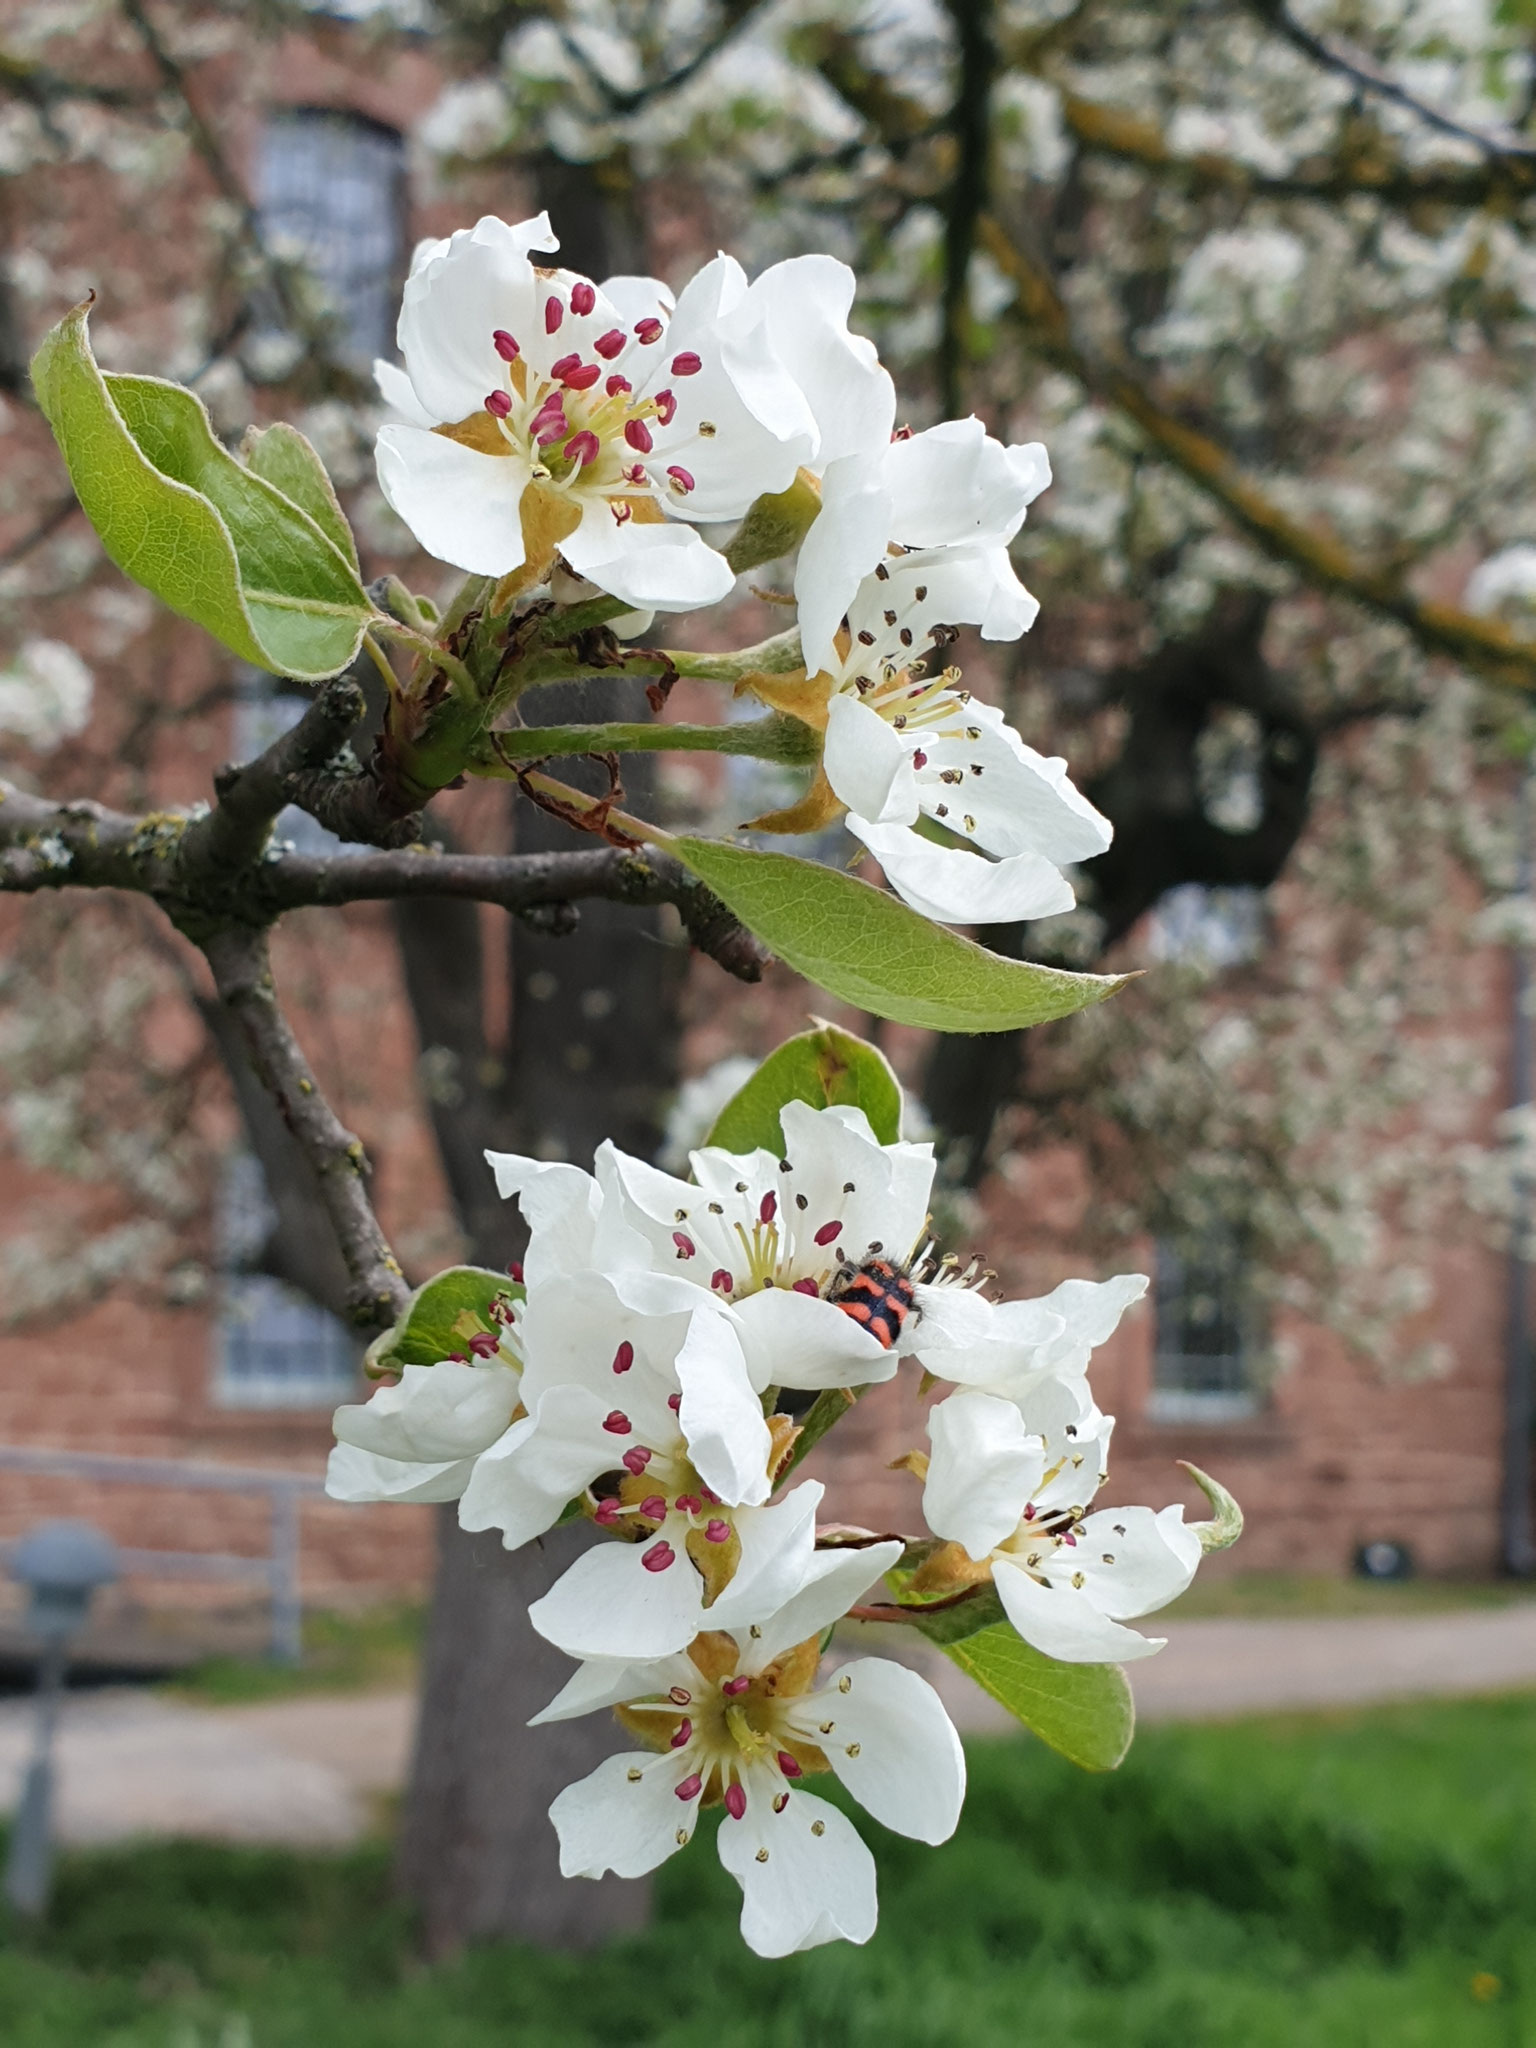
{"x":591,"y":1054}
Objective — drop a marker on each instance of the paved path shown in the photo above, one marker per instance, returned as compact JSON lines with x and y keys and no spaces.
{"x":310,"y":1771}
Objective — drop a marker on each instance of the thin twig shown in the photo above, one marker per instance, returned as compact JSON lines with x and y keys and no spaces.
{"x":242,"y":974}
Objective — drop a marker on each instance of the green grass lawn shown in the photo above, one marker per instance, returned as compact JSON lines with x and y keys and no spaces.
{"x":1366,"y":1881}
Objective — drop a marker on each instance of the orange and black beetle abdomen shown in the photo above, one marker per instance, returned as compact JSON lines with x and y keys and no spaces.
{"x":877,"y":1294}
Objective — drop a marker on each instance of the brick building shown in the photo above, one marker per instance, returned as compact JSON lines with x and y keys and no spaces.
{"x":1326,"y":1459}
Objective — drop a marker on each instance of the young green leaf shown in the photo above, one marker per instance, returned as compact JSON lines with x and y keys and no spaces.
{"x":1083,"y":1710}
{"x":217,"y":542}
{"x":873,"y":951}
{"x":441,"y":1318}
{"x":281,"y":454}
{"x":820,"y":1067}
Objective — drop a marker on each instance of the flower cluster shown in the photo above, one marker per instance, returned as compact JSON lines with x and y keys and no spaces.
{"x":548,"y":424}
{"x":655,"y":1368}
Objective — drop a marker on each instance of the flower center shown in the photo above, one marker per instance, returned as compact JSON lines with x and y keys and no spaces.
{"x":729,"y":1726}
{"x":579,"y":422}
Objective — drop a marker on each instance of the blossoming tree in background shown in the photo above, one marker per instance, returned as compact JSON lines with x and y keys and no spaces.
{"x":668,"y":1350}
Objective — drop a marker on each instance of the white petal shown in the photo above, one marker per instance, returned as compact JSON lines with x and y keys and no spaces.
{"x":609,"y":1605}
{"x":606,"y":1681}
{"x":716,"y":318}
{"x":762,"y":427}
{"x":559,"y":1204}
{"x":955,"y":484}
{"x":906,"y":1767}
{"x":629,"y":1825}
{"x":799,"y":1340}
{"x":810,"y":1888}
{"x":399,"y":394}
{"x":658,"y":568}
{"x":805,"y":303}
{"x":983,"y":1472}
{"x":955,"y":887}
{"x":1134,"y":1561}
{"x":828,"y":1149}
{"x":523,"y":1484}
{"x":435,"y":1413}
{"x":579,"y":1333}
{"x":456,"y":298}
{"x":868,"y":764}
{"x":837,"y":1580}
{"x":722,"y":1419}
{"x":1090,"y":1311}
{"x":777,"y":1559}
{"x":464,"y":507}
{"x":639,"y":298}
{"x":1064,"y":1623}
{"x":845,"y":541}
{"x":354,"y":1475}
{"x":951,"y":1319}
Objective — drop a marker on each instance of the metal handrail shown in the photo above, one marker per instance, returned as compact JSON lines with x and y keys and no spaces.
{"x":279,"y":1569}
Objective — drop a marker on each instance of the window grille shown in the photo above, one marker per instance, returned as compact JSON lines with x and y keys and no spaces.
{"x":331,"y":189}
{"x":274,"y":1348}
{"x":1207,"y":1333}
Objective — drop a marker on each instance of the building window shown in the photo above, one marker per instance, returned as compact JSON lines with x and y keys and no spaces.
{"x":1207,"y":927}
{"x":1208,"y":1332}
{"x":331,"y":189}
{"x":274,"y":1348}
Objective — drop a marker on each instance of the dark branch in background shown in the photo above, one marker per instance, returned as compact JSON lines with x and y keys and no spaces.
{"x":970,"y":123}
{"x":1368,"y":78}
{"x":1125,"y":137}
{"x":735,"y":16}
{"x":242,"y":974}
{"x":1485,"y":646}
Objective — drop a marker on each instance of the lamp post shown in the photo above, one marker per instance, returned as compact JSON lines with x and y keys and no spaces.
{"x":61,"y":1564}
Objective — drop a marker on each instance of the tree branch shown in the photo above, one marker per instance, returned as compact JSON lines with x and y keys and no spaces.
{"x":1485,"y":646}
{"x":1366,"y":77}
{"x":1128,"y":138}
{"x":46,"y":845}
{"x":970,"y":123}
{"x":242,"y":974}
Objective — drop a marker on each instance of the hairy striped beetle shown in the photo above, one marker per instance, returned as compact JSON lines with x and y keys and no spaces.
{"x":879,"y":1294}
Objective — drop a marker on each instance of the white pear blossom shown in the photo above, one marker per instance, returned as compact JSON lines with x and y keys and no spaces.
{"x":547,"y":412}
{"x":640,"y":1394}
{"x":951,"y":492}
{"x":739,"y":1720}
{"x":909,"y":544}
{"x":778,"y":1239}
{"x":1011,"y":1483}
{"x":417,"y":1440}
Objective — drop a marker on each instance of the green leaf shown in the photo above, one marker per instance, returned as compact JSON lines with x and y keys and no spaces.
{"x":441,"y":1319}
{"x":217,"y":542}
{"x":281,"y":454}
{"x":870,"y":949}
{"x":820,"y":1067}
{"x":1083,"y":1710}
